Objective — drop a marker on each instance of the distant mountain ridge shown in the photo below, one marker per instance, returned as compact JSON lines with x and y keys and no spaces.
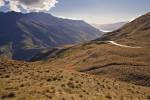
{"x":24,"y":34}
{"x":110,"y":27}
{"x":135,"y":33}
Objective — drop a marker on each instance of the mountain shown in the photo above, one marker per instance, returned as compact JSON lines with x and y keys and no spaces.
{"x":113,"y":67}
{"x":110,"y":27}
{"x":122,"y":55}
{"x":136,"y":32}
{"x":23,"y":35}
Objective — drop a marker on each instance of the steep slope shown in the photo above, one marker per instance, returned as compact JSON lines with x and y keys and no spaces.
{"x":26,"y":81}
{"x":120,"y":73}
{"x":22,"y":35}
{"x":135,"y":33}
{"x":123,"y":55}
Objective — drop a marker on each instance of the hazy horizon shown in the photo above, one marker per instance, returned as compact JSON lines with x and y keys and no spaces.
{"x":101,"y":11}
{"x":91,"y":11}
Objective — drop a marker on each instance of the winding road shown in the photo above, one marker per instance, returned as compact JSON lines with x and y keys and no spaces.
{"x":120,"y":45}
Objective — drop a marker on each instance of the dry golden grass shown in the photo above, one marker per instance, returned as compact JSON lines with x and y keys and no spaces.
{"x":27,"y":81}
{"x":105,"y":59}
{"x":90,"y":71}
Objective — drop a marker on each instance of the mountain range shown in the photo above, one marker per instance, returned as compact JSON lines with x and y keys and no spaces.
{"x":22,"y":35}
{"x":115,"y":66}
{"x":110,"y":27}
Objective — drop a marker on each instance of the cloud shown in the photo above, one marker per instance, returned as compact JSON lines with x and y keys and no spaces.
{"x":28,"y":5}
{"x":2,"y":3}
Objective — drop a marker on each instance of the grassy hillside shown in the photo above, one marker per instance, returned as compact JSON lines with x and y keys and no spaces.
{"x":107,"y":59}
{"x":134,"y":33}
{"x":26,"y":81}
{"x":95,"y":70}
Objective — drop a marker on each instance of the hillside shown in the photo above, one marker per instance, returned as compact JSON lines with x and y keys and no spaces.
{"x":26,"y":81}
{"x":97,"y":70}
{"x":23,"y":35}
{"x":122,"y":55}
{"x":135,"y":33}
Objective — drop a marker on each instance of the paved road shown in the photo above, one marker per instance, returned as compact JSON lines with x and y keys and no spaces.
{"x":120,"y":45}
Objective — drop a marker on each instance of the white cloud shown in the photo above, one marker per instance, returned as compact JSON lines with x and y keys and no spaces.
{"x":2,"y":3}
{"x":29,"y":5}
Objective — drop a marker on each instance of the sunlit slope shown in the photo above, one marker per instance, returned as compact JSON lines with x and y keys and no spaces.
{"x":136,"y":32}
{"x":125,"y":59}
{"x":26,"y":81}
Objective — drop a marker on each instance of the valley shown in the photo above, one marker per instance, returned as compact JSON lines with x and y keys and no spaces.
{"x":115,"y":66}
{"x":28,"y":34}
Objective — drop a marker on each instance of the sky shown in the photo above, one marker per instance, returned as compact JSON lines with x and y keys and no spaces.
{"x":91,"y":11}
{"x":101,"y":11}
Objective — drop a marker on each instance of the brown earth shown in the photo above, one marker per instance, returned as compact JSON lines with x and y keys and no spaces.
{"x":96,"y":70}
{"x":106,"y":59}
{"x":24,"y":81}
